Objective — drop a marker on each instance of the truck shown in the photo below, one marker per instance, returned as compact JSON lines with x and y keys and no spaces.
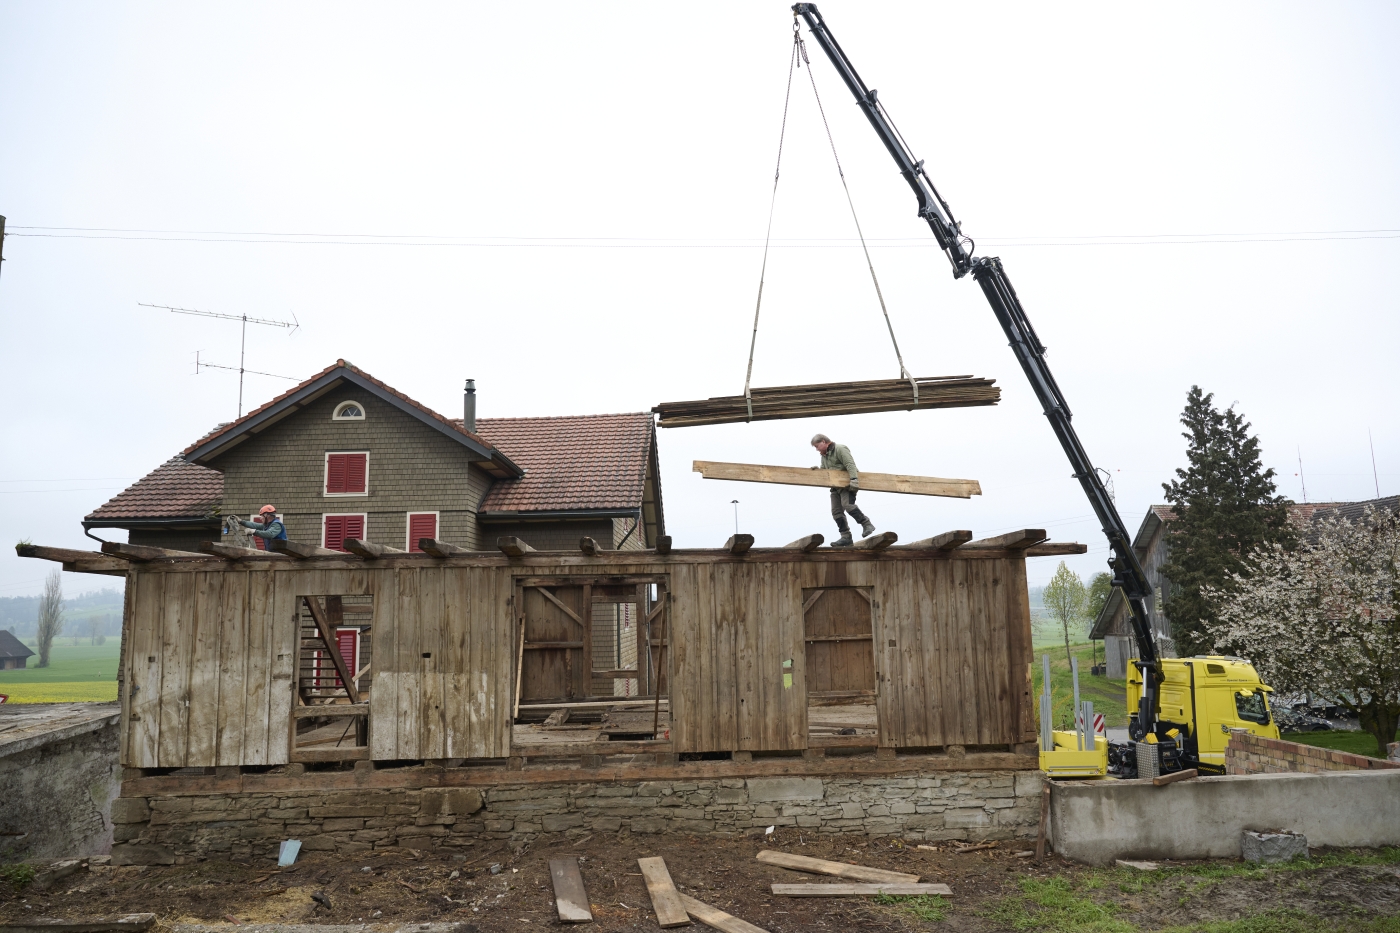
{"x":1181,"y":710}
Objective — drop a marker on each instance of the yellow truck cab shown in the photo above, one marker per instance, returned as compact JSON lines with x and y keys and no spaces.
{"x":1206,"y":697}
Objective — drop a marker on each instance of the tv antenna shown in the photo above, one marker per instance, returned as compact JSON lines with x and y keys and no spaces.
{"x":291,"y":326}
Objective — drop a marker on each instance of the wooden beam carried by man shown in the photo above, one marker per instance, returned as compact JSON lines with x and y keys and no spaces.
{"x":831,"y":479}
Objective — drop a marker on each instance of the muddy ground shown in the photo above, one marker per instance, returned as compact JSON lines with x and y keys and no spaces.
{"x":503,"y":889}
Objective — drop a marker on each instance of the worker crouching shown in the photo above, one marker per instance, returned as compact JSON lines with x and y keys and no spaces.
{"x":843,"y":498}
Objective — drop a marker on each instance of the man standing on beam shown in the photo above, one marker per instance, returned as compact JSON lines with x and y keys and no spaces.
{"x":843,"y":498}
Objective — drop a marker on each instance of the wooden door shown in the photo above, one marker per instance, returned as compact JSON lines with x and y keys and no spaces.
{"x":838,"y":635}
{"x":556,"y":657}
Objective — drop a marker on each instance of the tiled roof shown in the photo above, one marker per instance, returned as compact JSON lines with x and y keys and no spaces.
{"x":575,"y":462}
{"x":12,"y":647}
{"x":174,"y":490}
{"x":234,"y":426}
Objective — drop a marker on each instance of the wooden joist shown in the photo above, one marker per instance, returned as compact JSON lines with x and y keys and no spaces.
{"x":738,"y":545}
{"x":1012,"y":540}
{"x":61,"y":554}
{"x":588,"y":546}
{"x":1166,"y":779}
{"x":807,"y":543}
{"x":439,"y":548}
{"x":569,"y":895}
{"x":821,"y":866}
{"x":714,"y":917}
{"x":234,"y":552}
{"x":869,"y":482}
{"x":944,"y":542}
{"x":330,"y":710}
{"x":368,"y":550}
{"x":341,"y":753}
{"x":860,"y":890}
{"x":665,"y":899}
{"x":877,"y":542}
{"x":512,"y":546}
{"x":663,"y":544}
{"x":301,"y":551}
{"x":1056,"y":549}
{"x":140,"y":552}
{"x":836,"y":398}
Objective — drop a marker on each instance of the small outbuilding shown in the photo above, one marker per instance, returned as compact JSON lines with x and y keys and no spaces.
{"x":14,"y":654}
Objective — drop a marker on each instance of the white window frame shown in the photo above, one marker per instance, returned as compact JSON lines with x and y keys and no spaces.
{"x":326,"y":515}
{"x":326,"y":476}
{"x":337,"y":416}
{"x":408,"y":526}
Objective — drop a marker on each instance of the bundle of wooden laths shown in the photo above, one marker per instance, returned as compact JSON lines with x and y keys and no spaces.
{"x":833,"y":398}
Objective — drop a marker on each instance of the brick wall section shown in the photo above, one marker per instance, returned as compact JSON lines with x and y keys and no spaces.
{"x":1253,"y":754}
{"x":412,"y":468}
{"x":967,"y":805}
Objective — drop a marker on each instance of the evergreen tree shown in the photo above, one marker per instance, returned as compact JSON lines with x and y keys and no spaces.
{"x":1225,"y":507}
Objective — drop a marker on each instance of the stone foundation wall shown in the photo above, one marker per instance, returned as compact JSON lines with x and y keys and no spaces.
{"x":966,"y":805}
{"x":1253,"y":754}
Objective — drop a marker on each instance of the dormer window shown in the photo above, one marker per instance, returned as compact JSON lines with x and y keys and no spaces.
{"x":349,"y":411}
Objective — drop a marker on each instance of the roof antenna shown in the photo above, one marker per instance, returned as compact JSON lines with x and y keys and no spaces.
{"x":1301,"y":479}
{"x":293,"y":326}
{"x":1374,"y":475}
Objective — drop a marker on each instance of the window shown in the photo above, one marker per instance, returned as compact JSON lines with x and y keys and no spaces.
{"x":420,"y":525}
{"x":340,"y":527}
{"x":1251,"y":707}
{"x":349,"y":411}
{"x":347,"y":474}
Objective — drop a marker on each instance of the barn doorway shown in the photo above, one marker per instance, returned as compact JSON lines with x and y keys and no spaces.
{"x":838,"y":634}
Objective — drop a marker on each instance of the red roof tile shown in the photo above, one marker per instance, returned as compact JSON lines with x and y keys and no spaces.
{"x":174,"y":490}
{"x":573,"y":462}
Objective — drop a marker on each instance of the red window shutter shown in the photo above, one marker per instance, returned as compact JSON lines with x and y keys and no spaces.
{"x":346,"y":472}
{"x":420,"y":525}
{"x":340,"y":527}
{"x":335,"y":473}
{"x":354,"y":527}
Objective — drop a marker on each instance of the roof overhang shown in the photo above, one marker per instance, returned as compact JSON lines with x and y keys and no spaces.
{"x":558,"y":515}
{"x":1104,"y":619}
{"x":490,"y":460}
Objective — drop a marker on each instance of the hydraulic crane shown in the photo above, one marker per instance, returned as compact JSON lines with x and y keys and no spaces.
{"x":1128,"y":574}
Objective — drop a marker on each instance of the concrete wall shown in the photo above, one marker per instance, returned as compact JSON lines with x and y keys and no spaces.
{"x":1099,"y":821}
{"x":968,"y":805}
{"x":1253,"y":754}
{"x":57,"y":788}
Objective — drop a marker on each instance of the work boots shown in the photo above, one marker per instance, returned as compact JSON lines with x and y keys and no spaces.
{"x":844,"y":540}
{"x":867,"y":527}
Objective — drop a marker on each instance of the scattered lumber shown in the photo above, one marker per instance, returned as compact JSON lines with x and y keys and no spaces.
{"x":439,"y":548}
{"x":1012,"y":540}
{"x":947,"y":541}
{"x":1056,"y":549}
{"x":835,"y":398}
{"x":60,"y":554}
{"x":569,"y":895}
{"x":714,"y":917}
{"x":369,"y":551}
{"x":234,"y":552}
{"x":1140,"y":866}
{"x":807,"y":543}
{"x":512,"y":546}
{"x":960,"y":849}
{"x":665,"y":899}
{"x":301,"y":551}
{"x":860,"y":890}
{"x":877,"y":542}
{"x":588,"y":546}
{"x":821,"y":866}
{"x":828,"y":479}
{"x":1166,"y":779}
{"x":663,"y":544}
{"x":129,"y":923}
{"x":738,"y":544}
{"x":141,"y":552}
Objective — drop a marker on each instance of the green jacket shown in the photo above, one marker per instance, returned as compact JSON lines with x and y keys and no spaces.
{"x":838,"y":457}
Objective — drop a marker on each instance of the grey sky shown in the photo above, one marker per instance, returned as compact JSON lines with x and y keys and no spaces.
{"x":656,"y":125}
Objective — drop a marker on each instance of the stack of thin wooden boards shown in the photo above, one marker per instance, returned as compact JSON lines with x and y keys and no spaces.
{"x":870,"y":880}
{"x":836,"y":398}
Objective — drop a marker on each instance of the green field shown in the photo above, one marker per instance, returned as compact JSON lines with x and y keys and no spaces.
{"x":1358,"y":743}
{"x":76,"y":672}
{"x":1109,"y":696}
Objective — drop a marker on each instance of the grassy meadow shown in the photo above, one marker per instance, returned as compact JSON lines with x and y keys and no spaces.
{"x":81,"y":672}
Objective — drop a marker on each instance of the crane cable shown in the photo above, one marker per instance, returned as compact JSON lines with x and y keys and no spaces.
{"x":798,"y":57}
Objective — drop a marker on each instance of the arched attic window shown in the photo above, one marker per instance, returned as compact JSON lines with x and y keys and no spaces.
{"x":349,"y":411}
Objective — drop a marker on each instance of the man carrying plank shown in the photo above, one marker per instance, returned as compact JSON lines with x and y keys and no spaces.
{"x":843,"y":498}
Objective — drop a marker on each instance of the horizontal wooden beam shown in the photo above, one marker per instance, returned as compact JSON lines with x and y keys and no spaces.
{"x":438,"y":548}
{"x":512,"y":546}
{"x":368,"y":550}
{"x":1012,"y":540}
{"x":301,"y":551}
{"x":877,"y":542}
{"x":807,"y":543}
{"x":1056,"y":549}
{"x":142,"y":552}
{"x":234,"y":552}
{"x":944,"y":542}
{"x":738,"y":544}
{"x":60,"y":554}
{"x":869,"y":482}
{"x":330,"y":711}
{"x":348,"y":753}
{"x":106,"y":566}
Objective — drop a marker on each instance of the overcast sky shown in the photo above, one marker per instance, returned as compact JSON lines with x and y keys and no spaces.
{"x":567,"y":202}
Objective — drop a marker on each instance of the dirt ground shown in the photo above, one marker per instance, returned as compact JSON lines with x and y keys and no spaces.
{"x":496,"y":889}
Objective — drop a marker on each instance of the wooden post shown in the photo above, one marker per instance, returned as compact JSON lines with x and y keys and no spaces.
{"x":1044,"y":821}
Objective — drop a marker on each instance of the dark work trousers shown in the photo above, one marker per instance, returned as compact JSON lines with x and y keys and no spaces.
{"x":843,"y":501}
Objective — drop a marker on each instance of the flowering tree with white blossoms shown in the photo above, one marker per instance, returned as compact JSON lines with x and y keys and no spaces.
{"x":1324,"y":617}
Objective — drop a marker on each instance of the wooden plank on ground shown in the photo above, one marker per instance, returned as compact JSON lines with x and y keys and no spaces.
{"x":569,"y":894}
{"x":665,"y":899}
{"x":869,"y":482}
{"x":821,"y":866}
{"x":860,"y":890}
{"x":714,"y":917}
{"x":129,"y":923}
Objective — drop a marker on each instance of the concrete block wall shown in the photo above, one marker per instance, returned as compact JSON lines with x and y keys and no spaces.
{"x":1253,"y":754}
{"x":948,"y":805}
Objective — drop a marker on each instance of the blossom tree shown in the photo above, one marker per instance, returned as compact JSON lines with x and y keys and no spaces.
{"x":1324,"y":617}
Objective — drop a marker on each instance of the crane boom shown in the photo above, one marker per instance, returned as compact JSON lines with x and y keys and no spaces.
{"x":1128,"y":574}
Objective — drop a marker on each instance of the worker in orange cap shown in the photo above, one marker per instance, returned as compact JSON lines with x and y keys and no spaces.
{"x":267,"y":525}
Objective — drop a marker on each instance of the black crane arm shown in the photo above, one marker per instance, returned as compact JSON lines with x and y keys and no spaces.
{"x":1030,"y":353}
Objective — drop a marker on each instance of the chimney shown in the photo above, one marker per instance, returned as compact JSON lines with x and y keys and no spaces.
{"x":469,"y":406}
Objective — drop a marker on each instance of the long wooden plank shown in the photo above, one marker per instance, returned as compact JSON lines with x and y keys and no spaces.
{"x":665,"y":899}
{"x":821,"y":866}
{"x":714,"y":917}
{"x":205,"y":676}
{"x":569,"y":895}
{"x":61,"y":554}
{"x":869,"y":482}
{"x":860,"y":890}
{"x":177,"y":646}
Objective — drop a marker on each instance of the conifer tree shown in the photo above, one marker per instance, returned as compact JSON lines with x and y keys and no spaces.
{"x":1226,"y":507}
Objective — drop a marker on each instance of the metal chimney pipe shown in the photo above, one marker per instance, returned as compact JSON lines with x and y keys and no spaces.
{"x":469,"y":406}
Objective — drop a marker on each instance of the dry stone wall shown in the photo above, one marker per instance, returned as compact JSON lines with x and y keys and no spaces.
{"x":948,"y":805}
